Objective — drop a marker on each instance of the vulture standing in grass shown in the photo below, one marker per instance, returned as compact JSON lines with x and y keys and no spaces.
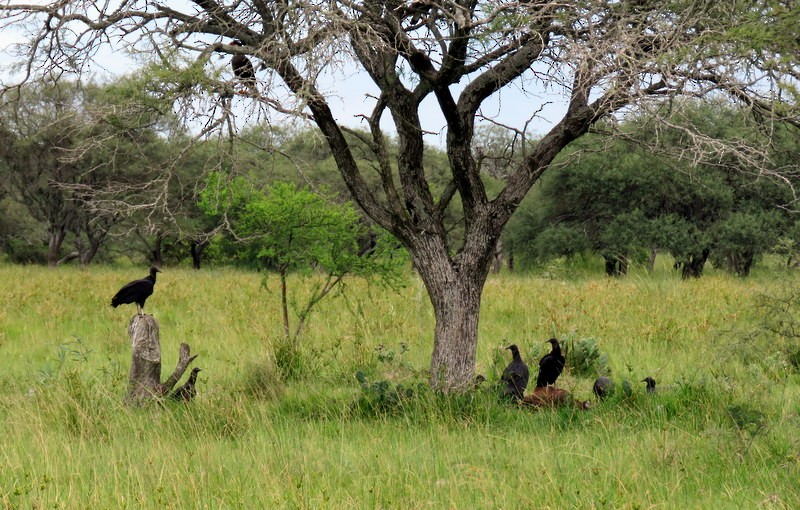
{"x":603,"y":387}
{"x":187,"y":392}
{"x":550,"y":366}
{"x":243,"y":69}
{"x":136,"y":291}
{"x":515,"y":375}
{"x":651,"y":384}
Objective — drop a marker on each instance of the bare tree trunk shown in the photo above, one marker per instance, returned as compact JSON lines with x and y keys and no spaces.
{"x":285,"y":304}
{"x":693,"y":264}
{"x":651,"y":262}
{"x":456,"y":298}
{"x":87,"y":255}
{"x":145,"y":383}
{"x":196,"y":249}
{"x":497,"y":262}
{"x":156,"y":255}
{"x":68,"y":258}
{"x":455,"y":337}
{"x":57,"y":236}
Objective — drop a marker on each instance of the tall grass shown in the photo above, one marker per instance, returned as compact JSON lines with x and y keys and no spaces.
{"x":722,"y":433}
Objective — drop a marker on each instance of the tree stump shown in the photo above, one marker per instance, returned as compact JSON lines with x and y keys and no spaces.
{"x":144,"y":383}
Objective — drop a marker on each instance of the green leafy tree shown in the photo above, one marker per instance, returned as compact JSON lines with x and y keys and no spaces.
{"x":627,"y":201}
{"x":293,"y":230}
{"x":742,"y":237}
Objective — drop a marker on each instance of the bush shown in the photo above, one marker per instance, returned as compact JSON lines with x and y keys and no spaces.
{"x":383,"y":397}
{"x":584,"y":358}
{"x":262,"y":380}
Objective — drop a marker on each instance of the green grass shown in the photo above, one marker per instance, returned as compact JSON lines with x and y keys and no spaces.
{"x":724,"y":434}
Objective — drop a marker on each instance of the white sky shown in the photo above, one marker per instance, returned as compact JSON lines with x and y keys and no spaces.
{"x":348,"y":95}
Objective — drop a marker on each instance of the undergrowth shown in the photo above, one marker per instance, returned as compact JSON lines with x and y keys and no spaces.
{"x":356,"y":426}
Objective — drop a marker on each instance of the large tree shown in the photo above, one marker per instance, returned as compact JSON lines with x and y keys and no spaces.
{"x":601,"y":57}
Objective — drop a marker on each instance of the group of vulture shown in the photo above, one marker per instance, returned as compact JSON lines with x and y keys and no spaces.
{"x":137,"y":292}
{"x":545,"y":394}
{"x":515,"y":376}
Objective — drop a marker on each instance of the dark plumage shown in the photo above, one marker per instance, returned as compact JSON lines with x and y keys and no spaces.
{"x":187,"y":392}
{"x":243,"y":69}
{"x":651,"y":384}
{"x":603,"y":387}
{"x":515,"y":375}
{"x":550,"y":366}
{"x":136,"y":291}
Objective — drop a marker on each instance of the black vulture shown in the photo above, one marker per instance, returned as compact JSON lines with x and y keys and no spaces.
{"x":515,"y":375}
{"x":187,"y":392}
{"x":243,"y":69}
{"x":603,"y":387}
{"x":550,"y":366}
{"x":651,"y":384}
{"x":136,"y":292}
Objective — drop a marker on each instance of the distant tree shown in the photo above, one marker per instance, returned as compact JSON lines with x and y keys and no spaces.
{"x":618,"y":201}
{"x":741,"y":237}
{"x":60,"y":146}
{"x":39,"y":128}
{"x":632,"y":198}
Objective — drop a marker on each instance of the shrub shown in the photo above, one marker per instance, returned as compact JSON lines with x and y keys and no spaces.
{"x":262,"y":380}
{"x":383,"y":397}
{"x":584,"y":358}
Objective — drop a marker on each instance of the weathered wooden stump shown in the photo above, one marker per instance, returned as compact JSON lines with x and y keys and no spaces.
{"x":144,"y":383}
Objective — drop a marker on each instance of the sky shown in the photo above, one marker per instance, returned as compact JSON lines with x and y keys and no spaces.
{"x":348,"y":92}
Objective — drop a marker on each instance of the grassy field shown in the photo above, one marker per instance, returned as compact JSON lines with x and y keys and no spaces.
{"x":723,"y":433}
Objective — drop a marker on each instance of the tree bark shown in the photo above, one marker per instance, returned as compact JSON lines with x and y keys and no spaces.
{"x":455,"y":294}
{"x":616,"y":265}
{"x":144,"y":383}
{"x":497,"y":262}
{"x":57,"y":235}
{"x":456,"y":309}
{"x":68,"y":258}
{"x":156,"y":255}
{"x":196,"y":249}
{"x":693,"y":264}
{"x":651,"y":261}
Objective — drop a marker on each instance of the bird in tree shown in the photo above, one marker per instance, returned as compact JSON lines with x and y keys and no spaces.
{"x":188,"y":391}
{"x":651,"y":384}
{"x":243,"y":69}
{"x":550,"y":366}
{"x":603,"y":387}
{"x":136,"y":291}
{"x":515,"y":375}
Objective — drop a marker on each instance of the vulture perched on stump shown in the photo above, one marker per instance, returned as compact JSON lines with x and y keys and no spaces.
{"x":187,"y":392}
{"x":136,"y":291}
{"x":515,"y":375}
{"x":550,"y":366}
